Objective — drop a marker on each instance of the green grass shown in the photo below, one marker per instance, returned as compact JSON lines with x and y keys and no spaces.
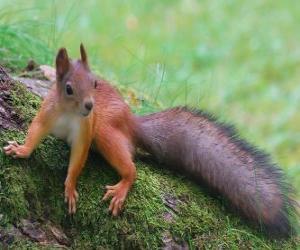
{"x":17,"y":47}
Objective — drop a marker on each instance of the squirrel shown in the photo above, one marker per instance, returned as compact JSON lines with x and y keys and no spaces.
{"x":86,"y":111}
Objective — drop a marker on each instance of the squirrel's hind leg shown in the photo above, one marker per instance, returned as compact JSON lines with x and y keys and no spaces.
{"x":117,"y":150}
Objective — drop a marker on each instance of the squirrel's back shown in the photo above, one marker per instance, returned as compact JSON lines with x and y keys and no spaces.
{"x":111,"y":110}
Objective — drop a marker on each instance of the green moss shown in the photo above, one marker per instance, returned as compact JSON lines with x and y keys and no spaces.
{"x":25,"y":102}
{"x":140,"y":225}
{"x":26,"y":245}
{"x":34,"y":188}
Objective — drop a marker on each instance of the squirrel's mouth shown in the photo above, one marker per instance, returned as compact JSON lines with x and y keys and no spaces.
{"x":85,"y":113}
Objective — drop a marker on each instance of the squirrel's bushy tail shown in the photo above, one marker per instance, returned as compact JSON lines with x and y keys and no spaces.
{"x":200,"y":146}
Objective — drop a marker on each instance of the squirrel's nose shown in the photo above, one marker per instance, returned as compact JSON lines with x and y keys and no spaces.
{"x":88,"y":106}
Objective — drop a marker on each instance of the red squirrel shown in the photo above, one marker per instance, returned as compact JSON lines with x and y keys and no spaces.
{"x":86,"y":110}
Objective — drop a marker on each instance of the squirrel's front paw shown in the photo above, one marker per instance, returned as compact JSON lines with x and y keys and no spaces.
{"x":71,"y":197}
{"x":16,"y":150}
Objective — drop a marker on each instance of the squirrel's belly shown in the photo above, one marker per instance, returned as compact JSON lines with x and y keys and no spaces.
{"x":66,"y":127}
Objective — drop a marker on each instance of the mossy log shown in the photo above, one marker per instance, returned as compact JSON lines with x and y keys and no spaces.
{"x":163,"y":210}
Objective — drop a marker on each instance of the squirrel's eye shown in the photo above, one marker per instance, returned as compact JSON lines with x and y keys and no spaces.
{"x":69,"y":90}
{"x":95,"y":84}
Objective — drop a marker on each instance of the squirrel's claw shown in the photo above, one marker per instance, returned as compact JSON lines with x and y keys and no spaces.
{"x":119,"y":193}
{"x":16,"y":150}
{"x":71,"y":197}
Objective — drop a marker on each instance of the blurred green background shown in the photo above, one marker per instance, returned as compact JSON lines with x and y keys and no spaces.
{"x":237,"y":59}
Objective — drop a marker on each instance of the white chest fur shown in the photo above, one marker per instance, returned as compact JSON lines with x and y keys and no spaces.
{"x":67,"y":127}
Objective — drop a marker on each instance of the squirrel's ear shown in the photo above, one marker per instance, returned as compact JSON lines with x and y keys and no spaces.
{"x":83,"y":55}
{"x":62,"y":63}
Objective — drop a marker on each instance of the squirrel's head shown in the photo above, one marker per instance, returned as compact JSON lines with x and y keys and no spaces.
{"x":75,"y":82}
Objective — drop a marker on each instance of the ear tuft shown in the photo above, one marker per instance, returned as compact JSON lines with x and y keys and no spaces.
{"x":83,"y":55}
{"x":62,"y":63}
